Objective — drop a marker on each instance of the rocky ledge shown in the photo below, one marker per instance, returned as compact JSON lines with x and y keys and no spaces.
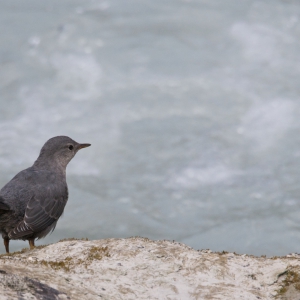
{"x":138,"y":268}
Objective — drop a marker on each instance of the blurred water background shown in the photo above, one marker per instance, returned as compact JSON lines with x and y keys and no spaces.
{"x":192,"y":109}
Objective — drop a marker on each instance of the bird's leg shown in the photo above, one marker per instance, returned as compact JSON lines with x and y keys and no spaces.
{"x":31,"y":243}
{"x":6,"y":244}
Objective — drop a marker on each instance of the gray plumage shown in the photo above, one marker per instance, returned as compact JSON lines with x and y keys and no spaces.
{"x":32,"y":202}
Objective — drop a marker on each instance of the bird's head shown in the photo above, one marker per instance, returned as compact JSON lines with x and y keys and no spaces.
{"x":58,"y":151}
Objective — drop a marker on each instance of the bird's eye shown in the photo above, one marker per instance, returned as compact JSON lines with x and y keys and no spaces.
{"x":71,"y":147}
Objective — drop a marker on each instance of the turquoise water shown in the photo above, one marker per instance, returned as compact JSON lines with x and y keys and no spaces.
{"x":191,"y":107}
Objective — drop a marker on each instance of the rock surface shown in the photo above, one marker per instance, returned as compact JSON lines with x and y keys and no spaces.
{"x":138,"y":268}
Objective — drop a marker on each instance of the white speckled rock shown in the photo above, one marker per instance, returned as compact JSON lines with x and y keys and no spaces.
{"x":138,"y":268}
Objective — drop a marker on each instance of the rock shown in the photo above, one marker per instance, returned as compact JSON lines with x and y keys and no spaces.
{"x":138,"y":268}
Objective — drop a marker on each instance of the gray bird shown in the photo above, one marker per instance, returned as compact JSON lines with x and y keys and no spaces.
{"x":32,"y":202}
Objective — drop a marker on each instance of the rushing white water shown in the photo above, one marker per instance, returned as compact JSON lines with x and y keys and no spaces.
{"x":192,"y":109}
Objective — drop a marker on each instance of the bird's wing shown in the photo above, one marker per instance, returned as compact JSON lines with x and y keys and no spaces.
{"x":41,"y":212}
{"x":3,"y":206}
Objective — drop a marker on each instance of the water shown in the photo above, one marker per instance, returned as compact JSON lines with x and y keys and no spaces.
{"x":191,"y":107}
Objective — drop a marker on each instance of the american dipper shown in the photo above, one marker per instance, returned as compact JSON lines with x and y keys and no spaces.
{"x":32,"y":202}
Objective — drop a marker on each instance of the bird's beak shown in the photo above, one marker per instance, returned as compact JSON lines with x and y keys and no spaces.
{"x":80,"y":146}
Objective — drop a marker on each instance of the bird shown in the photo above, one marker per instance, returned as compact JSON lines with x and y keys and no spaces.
{"x":32,"y":202}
